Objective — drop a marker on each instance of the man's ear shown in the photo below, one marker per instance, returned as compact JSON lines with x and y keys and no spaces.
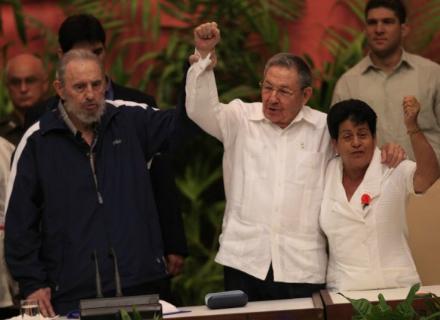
{"x":58,"y":86}
{"x":307,"y":94}
{"x":405,"y":29}
{"x":60,"y":53}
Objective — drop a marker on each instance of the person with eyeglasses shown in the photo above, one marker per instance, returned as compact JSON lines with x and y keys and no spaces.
{"x":27,"y":84}
{"x":85,"y":31}
{"x":80,"y":196}
{"x":275,"y":156}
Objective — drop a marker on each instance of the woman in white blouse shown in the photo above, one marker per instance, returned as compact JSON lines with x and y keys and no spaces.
{"x":364,"y":206}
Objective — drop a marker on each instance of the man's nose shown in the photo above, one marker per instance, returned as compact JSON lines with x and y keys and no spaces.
{"x":90,"y":93}
{"x":23,"y":86}
{"x":273,"y":95}
{"x":379,"y":27}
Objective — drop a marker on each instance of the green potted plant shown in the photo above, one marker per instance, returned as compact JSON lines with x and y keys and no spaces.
{"x":135,"y":315}
{"x":365,"y":310}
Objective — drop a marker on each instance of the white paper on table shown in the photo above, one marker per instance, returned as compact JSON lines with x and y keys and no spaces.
{"x":19,"y":317}
{"x":168,"y":308}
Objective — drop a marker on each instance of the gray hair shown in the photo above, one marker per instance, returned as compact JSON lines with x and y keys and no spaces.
{"x":290,"y":61}
{"x":73,"y":55}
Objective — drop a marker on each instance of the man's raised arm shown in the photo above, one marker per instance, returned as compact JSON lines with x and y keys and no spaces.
{"x":202,"y":101}
{"x":428,"y":170}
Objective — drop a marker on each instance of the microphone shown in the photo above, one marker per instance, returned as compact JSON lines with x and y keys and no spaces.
{"x":117,"y":277}
{"x":101,"y":308}
{"x":97,"y":276}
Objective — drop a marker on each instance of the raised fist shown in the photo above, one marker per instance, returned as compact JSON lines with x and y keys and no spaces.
{"x":206,"y":37}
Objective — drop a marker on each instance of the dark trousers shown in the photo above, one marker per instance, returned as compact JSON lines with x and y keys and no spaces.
{"x":267,"y":289}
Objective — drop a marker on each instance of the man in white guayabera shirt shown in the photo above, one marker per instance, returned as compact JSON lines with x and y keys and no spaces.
{"x":275,"y":155}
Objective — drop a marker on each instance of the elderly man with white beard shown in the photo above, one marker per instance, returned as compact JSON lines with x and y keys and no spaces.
{"x":80,"y":193}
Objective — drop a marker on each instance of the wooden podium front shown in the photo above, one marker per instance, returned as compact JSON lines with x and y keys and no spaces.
{"x":338,"y":308}
{"x":287,"y":309}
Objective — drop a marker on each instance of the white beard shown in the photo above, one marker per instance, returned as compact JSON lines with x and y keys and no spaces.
{"x":86,"y":117}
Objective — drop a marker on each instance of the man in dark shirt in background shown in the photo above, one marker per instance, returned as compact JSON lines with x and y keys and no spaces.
{"x":27,"y":84}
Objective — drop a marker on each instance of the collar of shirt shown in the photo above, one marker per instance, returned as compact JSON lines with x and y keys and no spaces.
{"x":371,"y":185}
{"x":66,"y":118}
{"x":304,"y":114}
{"x":367,"y":64}
{"x":70,"y":124}
{"x":109,"y":92}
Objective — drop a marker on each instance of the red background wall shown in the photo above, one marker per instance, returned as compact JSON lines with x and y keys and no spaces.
{"x":306,"y":37}
{"x":305,"y":34}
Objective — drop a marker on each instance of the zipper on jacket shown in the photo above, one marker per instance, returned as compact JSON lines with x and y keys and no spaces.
{"x":78,"y":137}
{"x":164,"y":263}
{"x":92,"y":166}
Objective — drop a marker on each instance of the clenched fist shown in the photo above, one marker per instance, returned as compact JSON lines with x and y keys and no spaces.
{"x":206,"y":37}
{"x":411,"y":108}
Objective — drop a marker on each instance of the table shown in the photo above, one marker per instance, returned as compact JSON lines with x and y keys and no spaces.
{"x":295,"y":309}
{"x":337,"y":307}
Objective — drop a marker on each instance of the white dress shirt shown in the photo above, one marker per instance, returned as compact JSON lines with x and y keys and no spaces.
{"x":273,"y":179}
{"x":368,"y":244}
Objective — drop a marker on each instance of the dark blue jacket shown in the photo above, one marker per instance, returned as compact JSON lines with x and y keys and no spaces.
{"x":55,"y":220}
{"x":161,"y":170}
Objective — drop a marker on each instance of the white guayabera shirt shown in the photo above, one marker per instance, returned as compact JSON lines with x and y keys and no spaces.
{"x":368,"y":243}
{"x":273,"y":179}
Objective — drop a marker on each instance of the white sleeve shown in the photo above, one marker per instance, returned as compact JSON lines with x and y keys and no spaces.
{"x":203,"y":105}
{"x":406,"y":171}
{"x":202,"y":97}
{"x":6,"y":150}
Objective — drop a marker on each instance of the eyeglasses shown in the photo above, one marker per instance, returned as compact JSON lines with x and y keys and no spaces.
{"x":29,"y":81}
{"x":267,"y":88}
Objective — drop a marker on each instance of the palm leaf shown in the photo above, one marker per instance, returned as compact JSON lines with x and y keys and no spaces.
{"x":425,"y":26}
{"x":17,"y":11}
